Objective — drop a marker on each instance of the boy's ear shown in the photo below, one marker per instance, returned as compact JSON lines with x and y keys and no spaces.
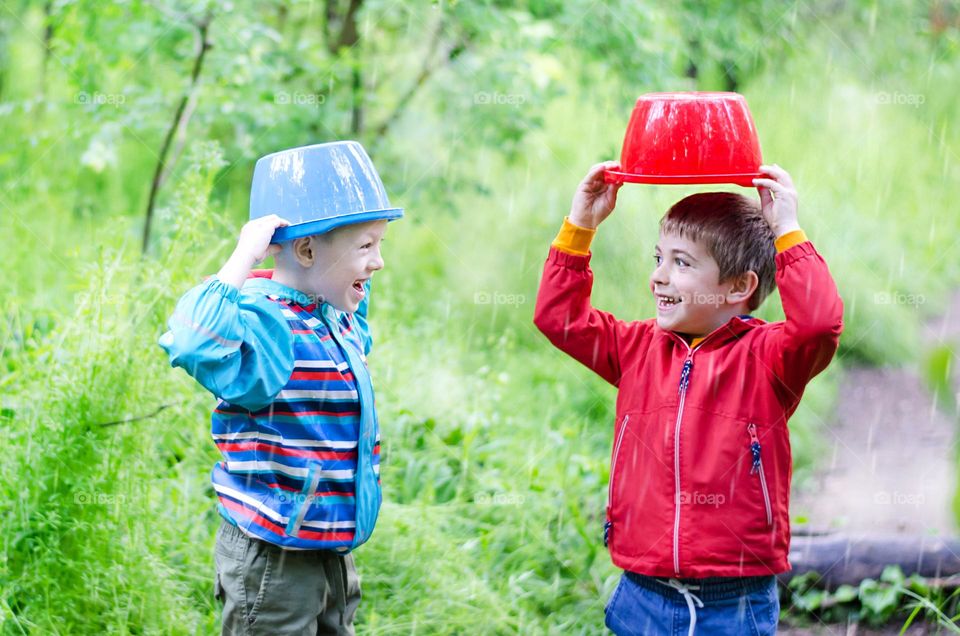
{"x":303,"y":251}
{"x":742,"y":287}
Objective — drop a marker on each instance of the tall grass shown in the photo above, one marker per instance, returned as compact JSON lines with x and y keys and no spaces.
{"x":104,"y":475}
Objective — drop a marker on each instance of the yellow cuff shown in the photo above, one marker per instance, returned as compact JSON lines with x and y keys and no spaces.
{"x":574,"y":239}
{"x":788,"y":240}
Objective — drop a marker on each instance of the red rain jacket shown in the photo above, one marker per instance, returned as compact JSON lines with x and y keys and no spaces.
{"x":701,"y":465}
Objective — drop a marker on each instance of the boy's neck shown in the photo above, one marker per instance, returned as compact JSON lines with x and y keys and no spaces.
{"x":287,"y":278}
{"x":722,"y":319}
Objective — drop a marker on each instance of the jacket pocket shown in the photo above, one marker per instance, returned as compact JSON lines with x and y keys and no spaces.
{"x":304,"y":499}
{"x":608,"y":526}
{"x":756,"y":468}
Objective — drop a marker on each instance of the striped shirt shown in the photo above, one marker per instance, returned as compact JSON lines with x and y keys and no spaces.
{"x":295,"y":423}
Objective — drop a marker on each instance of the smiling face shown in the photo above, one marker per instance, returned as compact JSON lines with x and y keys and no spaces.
{"x":691,"y":300}
{"x":348,"y":258}
{"x":334,"y":267}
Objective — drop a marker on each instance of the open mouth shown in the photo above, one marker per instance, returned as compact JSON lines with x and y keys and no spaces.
{"x":667,"y":302}
{"x":358,"y":286}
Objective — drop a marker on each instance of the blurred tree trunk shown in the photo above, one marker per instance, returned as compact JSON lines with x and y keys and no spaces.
{"x":693,"y":52}
{"x":453,"y":49}
{"x":47,"y":44}
{"x":356,"y":115}
{"x":178,"y":126}
{"x":4,"y":58}
{"x":349,"y":39}
{"x":731,"y":76}
{"x":943,"y":16}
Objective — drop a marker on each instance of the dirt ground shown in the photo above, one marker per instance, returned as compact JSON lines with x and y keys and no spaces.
{"x":891,"y":467}
{"x":892,"y":460}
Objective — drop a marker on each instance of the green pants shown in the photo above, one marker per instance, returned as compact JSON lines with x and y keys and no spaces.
{"x":268,"y":590}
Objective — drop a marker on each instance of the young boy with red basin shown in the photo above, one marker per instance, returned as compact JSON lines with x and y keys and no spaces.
{"x":697,"y":513}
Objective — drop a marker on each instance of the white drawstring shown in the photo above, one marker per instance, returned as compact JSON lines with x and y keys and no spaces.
{"x":688,"y":597}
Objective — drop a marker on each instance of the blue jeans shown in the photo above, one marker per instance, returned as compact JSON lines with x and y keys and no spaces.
{"x":738,"y":606}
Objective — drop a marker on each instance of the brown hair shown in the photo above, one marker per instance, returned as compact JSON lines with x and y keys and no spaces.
{"x":734,"y":232}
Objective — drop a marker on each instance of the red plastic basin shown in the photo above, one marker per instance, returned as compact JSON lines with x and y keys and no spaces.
{"x":689,"y":138}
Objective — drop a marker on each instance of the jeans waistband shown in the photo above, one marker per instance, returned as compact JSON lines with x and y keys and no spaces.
{"x":716,"y":588}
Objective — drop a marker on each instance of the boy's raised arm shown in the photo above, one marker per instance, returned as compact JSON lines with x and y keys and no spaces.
{"x":237,"y":346}
{"x":802,"y":346}
{"x":563,"y":311}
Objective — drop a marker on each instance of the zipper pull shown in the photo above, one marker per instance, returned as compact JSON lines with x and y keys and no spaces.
{"x":754,"y":447}
{"x":685,"y":375}
{"x":606,"y":533}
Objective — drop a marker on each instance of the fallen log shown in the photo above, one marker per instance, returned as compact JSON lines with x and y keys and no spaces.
{"x":848,"y":559}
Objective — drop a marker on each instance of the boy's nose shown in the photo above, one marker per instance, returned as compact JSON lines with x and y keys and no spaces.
{"x":375,"y":263}
{"x":659,"y":276}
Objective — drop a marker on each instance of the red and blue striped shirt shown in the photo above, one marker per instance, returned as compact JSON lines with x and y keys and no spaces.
{"x":295,"y":423}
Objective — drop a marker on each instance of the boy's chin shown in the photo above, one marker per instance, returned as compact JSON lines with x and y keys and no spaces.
{"x":672,"y":324}
{"x":345,"y":306}
{"x":667,"y":322}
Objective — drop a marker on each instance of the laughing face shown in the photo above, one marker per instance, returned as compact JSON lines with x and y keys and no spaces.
{"x":342,"y":262}
{"x":685,"y":283}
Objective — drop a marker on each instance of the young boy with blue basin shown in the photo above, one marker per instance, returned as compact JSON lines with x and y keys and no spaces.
{"x":284,"y":352}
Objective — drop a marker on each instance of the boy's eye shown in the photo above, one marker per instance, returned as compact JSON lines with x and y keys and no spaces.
{"x":679,"y":261}
{"x":366,"y":246}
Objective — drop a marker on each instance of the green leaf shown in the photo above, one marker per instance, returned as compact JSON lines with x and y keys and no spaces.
{"x":879,"y":601}
{"x":892,"y":574}
{"x":845,"y":594}
{"x":811,"y":600}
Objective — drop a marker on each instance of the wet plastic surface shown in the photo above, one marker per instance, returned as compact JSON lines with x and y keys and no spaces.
{"x":689,"y":138}
{"x":318,"y":188}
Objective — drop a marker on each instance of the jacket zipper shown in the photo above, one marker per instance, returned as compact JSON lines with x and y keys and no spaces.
{"x":613,"y":471}
{"x":682,"y":390}
{"x":757,"y":467}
